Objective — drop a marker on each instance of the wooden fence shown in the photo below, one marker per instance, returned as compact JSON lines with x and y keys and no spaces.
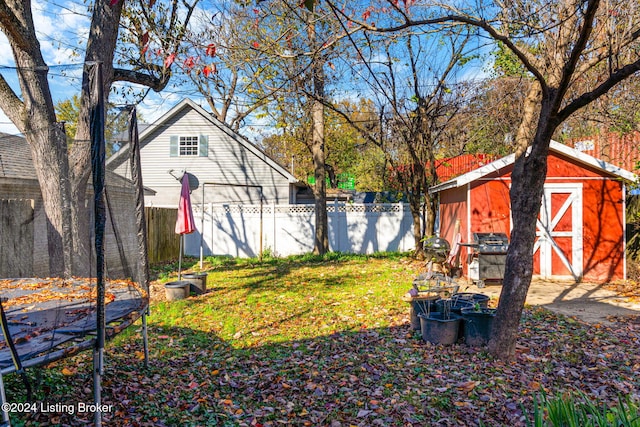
{"x":162,"y":241}
{"x":366,"y":230}
{"x":23,"y":238}
{"x":16,"y":238}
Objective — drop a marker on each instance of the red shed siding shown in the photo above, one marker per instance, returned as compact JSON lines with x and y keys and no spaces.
{"x":603,"y":230}
{"x":454,"y":208}
{"x":602,"y":207}
{"x":558,"y":167}
{"x":490,"y":207}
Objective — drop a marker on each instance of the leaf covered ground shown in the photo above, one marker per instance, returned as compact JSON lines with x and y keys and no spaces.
{"x":328,"y":343}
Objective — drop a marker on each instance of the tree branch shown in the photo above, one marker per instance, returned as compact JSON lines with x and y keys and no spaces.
{"x":478,"y":23}
{"x":149,"y":80}
{"x":583,"y":39}
{"x":588,"y":97}
{"x":12,"y":106}
{"x":13,"y":27}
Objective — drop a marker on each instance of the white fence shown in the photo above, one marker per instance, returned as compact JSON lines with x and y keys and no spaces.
{"x":289,"y":229}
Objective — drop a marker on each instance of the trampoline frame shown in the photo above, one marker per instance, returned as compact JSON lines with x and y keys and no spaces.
{"x":101,"y":330}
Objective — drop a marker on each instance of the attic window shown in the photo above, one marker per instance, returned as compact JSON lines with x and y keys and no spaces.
{"x":189,"y":145}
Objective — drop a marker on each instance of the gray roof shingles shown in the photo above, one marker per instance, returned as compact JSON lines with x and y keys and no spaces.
{"x":15,"y":157}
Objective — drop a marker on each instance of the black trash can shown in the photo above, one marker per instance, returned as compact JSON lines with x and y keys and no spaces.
{"x":481,"y":299}
{"x":477,"y":326}
{"x":453,"y":305}
{"x":440,"y":329}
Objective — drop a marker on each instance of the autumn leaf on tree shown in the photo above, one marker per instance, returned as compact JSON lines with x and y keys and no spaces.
{"x":169,"y":60}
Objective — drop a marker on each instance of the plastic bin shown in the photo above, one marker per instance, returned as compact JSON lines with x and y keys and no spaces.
{"x":177,"y":290}
{"x":198,"y":282}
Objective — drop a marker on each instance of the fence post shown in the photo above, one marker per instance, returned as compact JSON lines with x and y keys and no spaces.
{"x":337,"y":229}
{"x":274,"y":235}
{"x":401,"y":214}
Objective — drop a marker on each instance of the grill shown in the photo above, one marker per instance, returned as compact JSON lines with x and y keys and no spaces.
{"x":489,"y":257}
{"x":491,"y":243}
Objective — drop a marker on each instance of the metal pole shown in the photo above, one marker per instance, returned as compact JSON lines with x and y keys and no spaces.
{"x":97,"y":386}
{"x":261,"y":203}
{"x":180,"y":258}
{"x":202,"y":230}
{"x":145,"y":338}
{"x":98,"y":171}
{"x":3,"y":400}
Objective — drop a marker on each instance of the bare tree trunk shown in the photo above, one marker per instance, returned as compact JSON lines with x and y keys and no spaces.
{"x":35,"y":117}
{"x":528,"y":123}
{"x":527,"y":186}
{"x":100,"y":48}
{"x":415,"y":206}
{"x":430,"y":217}
{"x":49,"y":153}
{"x":321,"y":241}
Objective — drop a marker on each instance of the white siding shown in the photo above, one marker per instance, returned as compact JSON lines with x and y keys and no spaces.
{"x":228,"y":161}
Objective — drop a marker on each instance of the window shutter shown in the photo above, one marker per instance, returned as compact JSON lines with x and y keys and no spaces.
{"x":204,"y":146}
{"x":174,"y":146}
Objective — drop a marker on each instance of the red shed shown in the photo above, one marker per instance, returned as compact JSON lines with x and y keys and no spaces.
{"x":581,"y":227}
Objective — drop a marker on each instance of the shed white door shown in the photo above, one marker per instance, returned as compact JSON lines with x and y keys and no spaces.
{"x":558,"y":248}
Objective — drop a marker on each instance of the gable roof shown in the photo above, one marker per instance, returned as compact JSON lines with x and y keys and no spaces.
{"x":16,"y":162}
{"x":188,"y":103}
{"x":555,"y":146}
{"x":15,"y":157}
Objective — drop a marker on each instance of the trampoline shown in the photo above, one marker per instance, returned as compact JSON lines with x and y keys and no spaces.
{"x":47,"y":319}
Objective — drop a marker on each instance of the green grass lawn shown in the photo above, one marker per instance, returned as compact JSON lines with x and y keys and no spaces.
{"x":326,"y":342}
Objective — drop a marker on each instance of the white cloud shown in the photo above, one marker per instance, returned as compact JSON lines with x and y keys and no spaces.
{"x":60,"y":28}
{"x":157,"y":104}
{"x":6,"y":126}
{"x":6,"y":55}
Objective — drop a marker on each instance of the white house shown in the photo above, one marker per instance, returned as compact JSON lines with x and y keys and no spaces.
{"x":223,"y":166}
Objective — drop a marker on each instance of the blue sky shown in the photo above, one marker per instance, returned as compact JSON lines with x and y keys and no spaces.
{"x":62,"y":27}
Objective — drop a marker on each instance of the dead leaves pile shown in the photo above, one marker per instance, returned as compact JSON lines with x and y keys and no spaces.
{"x":370,"y":377}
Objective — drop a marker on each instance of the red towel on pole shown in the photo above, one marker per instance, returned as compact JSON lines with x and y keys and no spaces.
{"x":185,"y":223}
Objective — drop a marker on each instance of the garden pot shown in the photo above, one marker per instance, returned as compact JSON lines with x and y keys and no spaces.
{"x":452,"y":304}
{"x":419,"y":305}
{"x":177,"y":290}
{"x":481,"y":299}
{"x":198,"y":282}
{"x":477,"y":325}
{"x":438,"y":329}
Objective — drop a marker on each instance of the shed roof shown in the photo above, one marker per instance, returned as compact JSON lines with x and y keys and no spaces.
{"x":506,"y":161}
{"x":15,"y":157}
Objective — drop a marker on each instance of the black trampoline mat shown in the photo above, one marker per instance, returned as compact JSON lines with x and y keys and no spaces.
{"x":42,"y":314}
